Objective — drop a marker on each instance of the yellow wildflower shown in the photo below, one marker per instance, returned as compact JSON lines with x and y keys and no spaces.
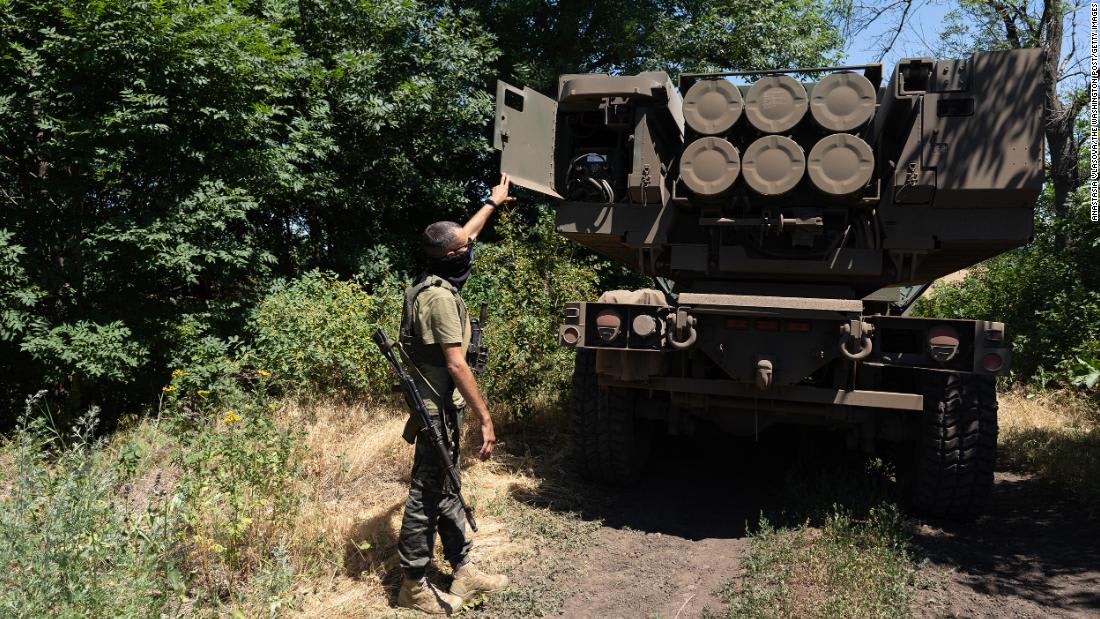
{"x":231,"y":417}
{"x":168,"y":389}
{"x":177,"y":373}
{"x":203,"y":392}
{"x":263,"y":373}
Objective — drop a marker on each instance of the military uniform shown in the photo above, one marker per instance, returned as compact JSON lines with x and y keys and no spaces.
{"x":434,"y":314}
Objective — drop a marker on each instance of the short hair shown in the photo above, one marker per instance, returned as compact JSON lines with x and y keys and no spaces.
{"x":439,"y":238}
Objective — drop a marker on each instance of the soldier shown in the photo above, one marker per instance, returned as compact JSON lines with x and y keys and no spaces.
{"x":435,"y":334}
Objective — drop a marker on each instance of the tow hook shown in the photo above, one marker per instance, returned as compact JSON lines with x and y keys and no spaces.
{"x":858,"y":332}
{"x":681,"y":330}
{"x":763,"y":374}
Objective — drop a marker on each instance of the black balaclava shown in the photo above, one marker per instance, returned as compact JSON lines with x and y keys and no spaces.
{"x":455,"y":269}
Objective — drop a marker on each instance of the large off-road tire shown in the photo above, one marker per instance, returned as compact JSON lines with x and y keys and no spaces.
{"x":584,"y":413}
{"x":957,"y":447}
{"x":610,"y":443}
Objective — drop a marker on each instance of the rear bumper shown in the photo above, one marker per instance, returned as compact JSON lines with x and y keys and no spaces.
{"x":728,"y":389}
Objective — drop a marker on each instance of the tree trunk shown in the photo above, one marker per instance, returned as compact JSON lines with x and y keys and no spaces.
{"x":1059,"y":120}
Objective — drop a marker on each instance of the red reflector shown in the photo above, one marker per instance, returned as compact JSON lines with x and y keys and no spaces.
{"x":570,"y":335}
{"x":798,"y":326}
{"x":992,"y":362}
{"x":767,"y":325}
{"x":739,"y":324}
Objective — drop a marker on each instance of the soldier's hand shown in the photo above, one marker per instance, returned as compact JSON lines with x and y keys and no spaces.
{"x":488,"y":439}
{"x":500,"y":192}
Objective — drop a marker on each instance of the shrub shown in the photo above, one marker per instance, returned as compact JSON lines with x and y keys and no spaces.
{"x":239,"y":493}
{"x":208,"y":369}
{"x":314,"y":334}
{"x":69,"y":547}
{"x":526,"y":278}
{"x":1048,"y":298}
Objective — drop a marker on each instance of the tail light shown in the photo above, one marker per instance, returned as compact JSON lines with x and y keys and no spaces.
{"x":609,"y":324}
{"x":767,"y":325}
{"x":993,"y":362}
{"x":798,"y":326}
{"x":943,"y":343}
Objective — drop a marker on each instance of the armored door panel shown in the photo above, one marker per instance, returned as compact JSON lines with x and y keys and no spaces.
{"x":524,"y":134}
{"x":984,"y":138}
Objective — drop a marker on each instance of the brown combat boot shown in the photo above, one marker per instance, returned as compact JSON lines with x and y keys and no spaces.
{"x":423,"y":596}
{"x":469,"y":581}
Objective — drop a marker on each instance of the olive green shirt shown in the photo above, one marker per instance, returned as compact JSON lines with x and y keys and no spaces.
{"x":438,"y":319}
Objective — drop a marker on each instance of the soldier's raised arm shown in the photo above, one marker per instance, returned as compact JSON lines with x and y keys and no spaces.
{"x":498,"y":197}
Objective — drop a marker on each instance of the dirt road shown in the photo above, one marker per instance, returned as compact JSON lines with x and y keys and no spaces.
{"x":665,"y":547}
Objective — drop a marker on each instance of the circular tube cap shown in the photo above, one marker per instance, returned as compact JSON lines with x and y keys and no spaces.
{"x":776,"y":103}
{"x":843,"y":101}
{"x":840,"y":164}
{"x":709,"y":166}
{"x":712,"y":106}
{"x":773,"y":165}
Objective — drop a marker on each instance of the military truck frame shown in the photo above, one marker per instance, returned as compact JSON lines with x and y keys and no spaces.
{"x":784,"y":273}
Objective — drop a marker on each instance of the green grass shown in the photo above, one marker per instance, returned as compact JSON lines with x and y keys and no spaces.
{"x":839,"y":548}
{"x":848,"y":567}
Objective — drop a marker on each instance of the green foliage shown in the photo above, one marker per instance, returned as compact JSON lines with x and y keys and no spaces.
{"x":213,"y":367}
{"x":314,"y":334}
{"x":17,"y":297}
{"x":850,"y":568}
{"x":239,"y":493}
{"x":92,"y":351}
{"x":1049,"y":300}
{"x":164,"y":158}
{"x":71,"y":547}
{"x":525,"y":279}
{"x":540,"y":40}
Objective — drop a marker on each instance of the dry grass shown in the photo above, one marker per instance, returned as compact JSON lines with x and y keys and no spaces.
{"x":337,"y":555}
{"x":356,"y":480}
{"x":1055,"y":434}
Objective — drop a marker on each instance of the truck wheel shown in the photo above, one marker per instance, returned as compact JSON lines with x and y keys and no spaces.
{"x":583,"y":413}
{"x":612,"y":445}
{"x":957,"y":445}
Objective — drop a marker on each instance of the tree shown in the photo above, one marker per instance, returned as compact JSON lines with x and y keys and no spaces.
{"x":161,"y":161}
{"x":977,"y":25}
{"x":541,"y":40}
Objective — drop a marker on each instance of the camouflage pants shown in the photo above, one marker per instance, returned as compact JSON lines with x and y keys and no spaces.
{"x":433,"y":504}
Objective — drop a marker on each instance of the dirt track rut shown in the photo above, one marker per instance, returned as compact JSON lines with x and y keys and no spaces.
{"x":667,"y":546}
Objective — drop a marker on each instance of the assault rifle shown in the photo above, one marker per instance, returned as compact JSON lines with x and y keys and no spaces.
{"x":429,"y":430}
